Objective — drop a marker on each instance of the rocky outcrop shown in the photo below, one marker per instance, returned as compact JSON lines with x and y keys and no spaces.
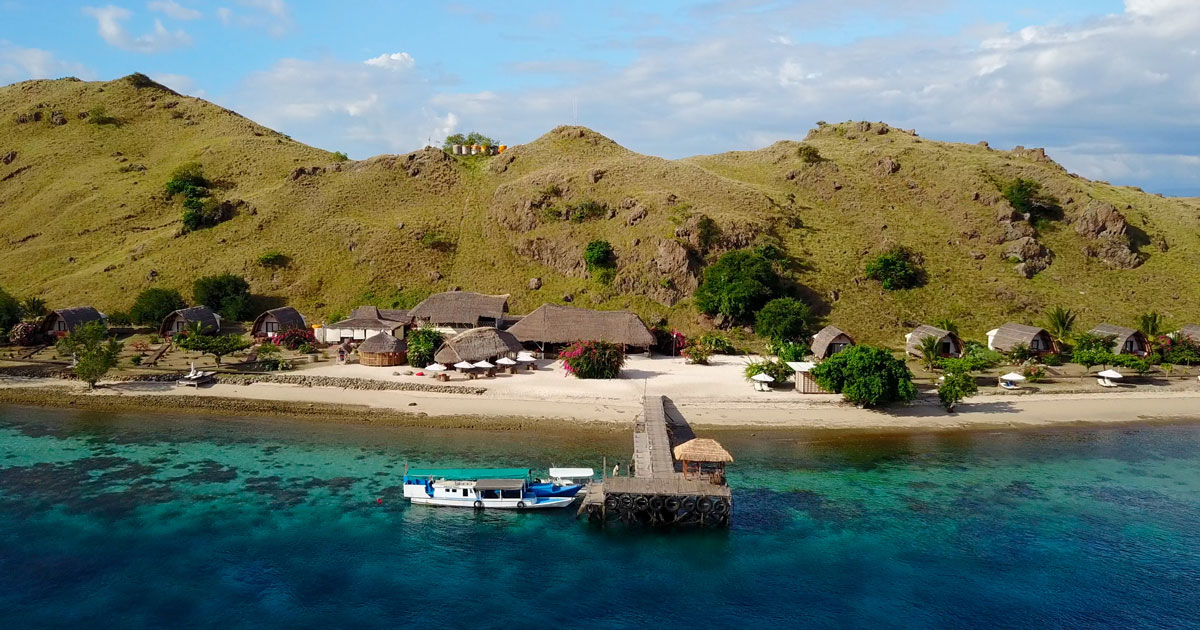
{"x":534,"y":284}
{"x":561,"y":256}
{"x":1032,"y":256}
{"x":58,"y":119}
{"x":1107,"y":232}
{"x":886,"y":166}
{"x":9,"y":157}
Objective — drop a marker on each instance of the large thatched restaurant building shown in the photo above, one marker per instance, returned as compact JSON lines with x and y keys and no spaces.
{"x":457,"y":311}
{"x":551,"y":326}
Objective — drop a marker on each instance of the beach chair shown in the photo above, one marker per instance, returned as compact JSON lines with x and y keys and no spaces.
{"x":1105,"y":382}
{"x":1008,"y":385}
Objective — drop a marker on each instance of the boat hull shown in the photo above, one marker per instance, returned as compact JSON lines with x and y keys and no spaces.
{"x":530,"y":503}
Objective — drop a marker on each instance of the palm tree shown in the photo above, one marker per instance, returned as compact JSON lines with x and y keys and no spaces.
{"x":1152,"y":324}
{"x":946,"y":324}
{"x":33,"y":308}
{"x":929,"y":351}
{"x":1060,"y":323}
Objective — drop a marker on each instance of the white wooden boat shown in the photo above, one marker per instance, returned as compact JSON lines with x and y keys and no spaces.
{"x":503,"y":494}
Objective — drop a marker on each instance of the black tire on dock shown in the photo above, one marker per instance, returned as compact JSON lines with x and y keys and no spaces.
{"x":626,"y":502}
{"x":720,"y":506}
{"x":671,"y":504}
{"x":640,"y":503}
{"x":656,"y":503}
{"x":612,"y":501}
{"x":704,"y":505}
{"x":687,"y":504}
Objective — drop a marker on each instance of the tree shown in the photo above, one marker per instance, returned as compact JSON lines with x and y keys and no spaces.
{"x":217,"y":346}
{"x":947,"y":324}
{"x":593,"y":359}
{"x":896,"y":270}
{"x":1088,"y":341}
{"x":1153,"y":325}
{"x":226,"y":293}
{"x":153,"y":305}
{"x":10,"y":312}
{"x":956,"y":386}
{"x":1025,"y":195}
{"x":930,"y":351}
{"x":738,"y":284}
{"x":422,"y":344}
{"x":784,"y":319}
{"x":94,"y":351}
{"x":185,"y":176}
{"x":33,"y":308}
{"x":777,"y":370}
{"x":1060,"y":323}
{"x":600,"y":260}
{"x":867,"y":376}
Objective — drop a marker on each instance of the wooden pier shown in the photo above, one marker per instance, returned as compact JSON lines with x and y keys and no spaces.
{"x":658,"y":492}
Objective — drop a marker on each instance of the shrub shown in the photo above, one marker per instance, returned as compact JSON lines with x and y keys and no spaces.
{"x":866,"y":375}
{"x":599,"y":255}
{"x":896,"y":270}
{"x":777,"y":370}
{"x":784,"y":319}
{"x":1052,"y":360}
{"x":1025,"y":195}
{"x":809,"y":154}
{"x":955,"y":387}
{"x":94,"y":351}
{"x":188,"y":178}
{"x":697,"y":354}
{"x":25,"y":334}
{"x":738,"y":284}
{"x":273,"y":258}
{"x":435,"y":239}
{"x":153,"y":305}
{"x":1137,"y":364}
{"x":715,"y":342}
{"x":1089,"y":342}
{"x":340,"y":156}
{"x":551,"y":190}
{"x":593,"y":359}
{"x":226,"y":293}
{"x":1021,"y":353}
{"x":98,"y":115}
{"x":119,"y":318}
{"x":268,"y":350}
{"x":1184,"y":350}
{"x":135,"y":360}
{"x":422,"y":344}
{"x":307,"y":348}
{"x":668,"y":342}
{"x":293,"y":338}
{"x":1089,"y":358}
{"x":584,"y":210}
{"x":10,"y":311}
{"x":790,"y":351}
{"x":217,"y":346}
{"x":1033,"y":371}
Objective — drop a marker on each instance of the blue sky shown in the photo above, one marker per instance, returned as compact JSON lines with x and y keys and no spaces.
{"x":1109,"y":87}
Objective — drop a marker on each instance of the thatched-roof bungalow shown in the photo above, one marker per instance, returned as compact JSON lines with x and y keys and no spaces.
{"x":457,"y":311}
{"x":365,"y":322}
{"x":276,"y":321}
{"x":949,"y":344}
{"x":1125,"y":340}
{"x":703,"y":458}
{"x":1190,"y":331}
{"x":383,"y":350}
{"x":184,"y":318}
{"x":551,"y":324}
{"x":477,"y":344}
{"x":829,"y":341}
{"x":63,"y":321}
{"x":1011,"y":335}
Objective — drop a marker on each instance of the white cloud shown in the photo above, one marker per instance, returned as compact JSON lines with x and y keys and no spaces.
{"x":394,"y":61}
{"x":272,"y":16}
{"x":174,"y":10}
{"x":225,"y":15}
{"x":18,"y":63}
{"x":109,"y":24}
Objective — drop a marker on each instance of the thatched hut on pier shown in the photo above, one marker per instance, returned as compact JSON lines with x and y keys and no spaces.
{"x":704,"y":459}
{"x":457,"y":311}
{"x":183,"y":319}
{"x":829,"y":341}
{"x":1011,"y":335}
{"x":477,"y":344}
{"x":64,"y":321}
{"x":276,"y":321}
{"x":949,"y":344}
{"x":1125,"y":340}
{"x":383,"y":350}
{"x":553,"y":325}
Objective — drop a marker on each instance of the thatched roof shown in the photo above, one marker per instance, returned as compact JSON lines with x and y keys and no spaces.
{"x":702,"y":450}
{"x":476,"y":344}
{"x":74,"y":316}
{"x":1012,"y":334}
{"x":286,"y":316}
{"x":563,"y":324}
{"x":913,"y":346}
{"x":827,"y":336}
{"x":383,"y":343}
{"x":1120,"y":334}
{"x":1191,"y":330}
{"x":202,"y":314}
{"x":373,"y":318}
{"x":460,"y":307}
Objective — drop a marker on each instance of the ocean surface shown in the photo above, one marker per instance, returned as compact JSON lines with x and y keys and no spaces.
{"x":137,"y":521}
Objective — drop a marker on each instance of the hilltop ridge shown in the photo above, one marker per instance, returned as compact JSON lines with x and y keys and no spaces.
{"x":85,"y":218}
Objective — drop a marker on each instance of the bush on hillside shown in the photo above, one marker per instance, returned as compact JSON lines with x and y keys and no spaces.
{"x":98,"y":115}
{"x":784,"y":319}
{"x":865,"y":375}
{"x":593,"y":359}
{"x":226,"y":294}
{"x":340,"y":156}
{"x":153,"y":305}
{"x":896,"y":270}
{"x":599,"y":255}
{"x":809,"y":154}
{"x":585,"y":210}
{"x":188,"y":178}
{"x":273,"y":258}
{"x":1025,"y":195}
{"x":737,"y":285}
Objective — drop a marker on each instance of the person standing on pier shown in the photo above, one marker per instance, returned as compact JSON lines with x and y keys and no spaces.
{"x":616,"y":469}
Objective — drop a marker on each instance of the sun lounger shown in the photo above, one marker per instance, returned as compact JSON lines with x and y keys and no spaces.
{"x":1008,"y":385}
{"x":1105,"y":382}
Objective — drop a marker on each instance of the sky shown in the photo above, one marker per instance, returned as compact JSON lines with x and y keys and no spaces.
{"x":1111,"y":89}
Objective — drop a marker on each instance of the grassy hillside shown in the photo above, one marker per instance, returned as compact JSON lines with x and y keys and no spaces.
{"x":80,"y":223}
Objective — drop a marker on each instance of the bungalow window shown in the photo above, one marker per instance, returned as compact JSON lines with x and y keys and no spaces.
{"x":947,"y":347}
{"x":1038,"y":344}
{"x":835,"y":348}
{"x":60,"y":325}
{"x":1131,"y":345}
{"x":271,"y":327}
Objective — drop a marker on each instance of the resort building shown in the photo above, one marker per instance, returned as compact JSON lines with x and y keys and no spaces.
{"x":552,"y":325}
{"x":1125,"y":340}
{"x":949,"y":345}
{"x":383,"y":350}
{"x":477,"y":344}
{"x":185,"y":318}
{"x":363,"y":323}
{"x":276,"y":321}
{"x":63,"y":321}
{"x":1011,"y":335}
{"x":457,"y":311}
{"x":1190,"y":331}
{"x":829,"y":341}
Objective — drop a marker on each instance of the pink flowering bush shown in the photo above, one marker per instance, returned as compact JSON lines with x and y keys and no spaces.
{"x":593,"y":359}
{"x":293,"y":338}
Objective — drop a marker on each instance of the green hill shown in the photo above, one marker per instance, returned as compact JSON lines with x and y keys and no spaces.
{"x":84,"y":219}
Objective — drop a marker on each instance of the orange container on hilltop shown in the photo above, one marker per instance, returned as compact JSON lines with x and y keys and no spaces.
{"x":501,"y":148}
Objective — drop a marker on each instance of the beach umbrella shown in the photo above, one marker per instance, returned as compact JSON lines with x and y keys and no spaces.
{"x":505,"y":361}
{"x":1110,"y":374}
{"x":525,"y":358}
{"x":763,"y":378}
{"x":435,"y":367}
{"x":463,"y":365}
{"x":1012,"y":377}
{"x":484,"y":365}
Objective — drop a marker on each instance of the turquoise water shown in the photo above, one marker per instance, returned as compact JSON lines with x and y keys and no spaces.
{"x":135,"y":521}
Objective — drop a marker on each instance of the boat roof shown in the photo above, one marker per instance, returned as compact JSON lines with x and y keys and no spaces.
{"x":572,"y":473}
{"x":499,"y":484}
{"x":467,"y":474}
